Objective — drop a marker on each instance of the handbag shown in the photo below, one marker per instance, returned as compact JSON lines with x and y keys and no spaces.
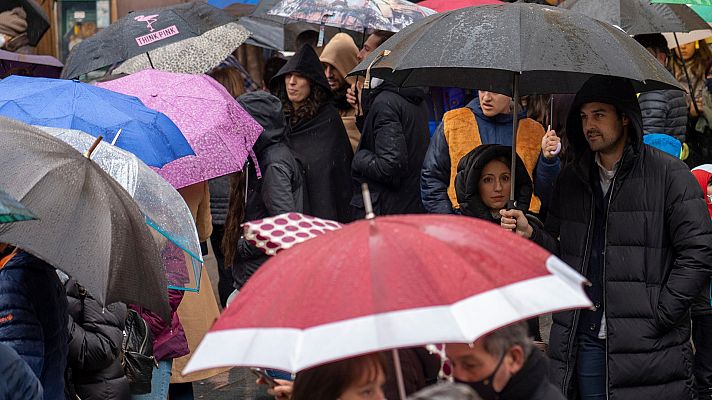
{"x":137,"y":348}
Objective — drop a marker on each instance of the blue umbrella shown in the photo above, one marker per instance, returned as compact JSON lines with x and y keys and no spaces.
{"x":123,"y":120}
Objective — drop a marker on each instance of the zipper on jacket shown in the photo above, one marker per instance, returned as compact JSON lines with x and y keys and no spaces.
{"x":605,"y":245}
{"x":584,"y":270}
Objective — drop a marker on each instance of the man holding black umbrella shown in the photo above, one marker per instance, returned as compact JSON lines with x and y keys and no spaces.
{"x":629,"y":218}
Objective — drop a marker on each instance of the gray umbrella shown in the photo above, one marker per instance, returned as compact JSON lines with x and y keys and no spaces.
{"x":640,"y":16}
{"x":88,"y":225}
{"x":514,"y":49}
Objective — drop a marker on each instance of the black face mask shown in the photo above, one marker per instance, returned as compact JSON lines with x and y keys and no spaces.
{"x":484,"y":387}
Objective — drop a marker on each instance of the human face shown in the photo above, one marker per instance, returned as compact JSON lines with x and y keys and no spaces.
{"x":709,"y":191}
{"x":298,"y":88}
{"x":369,"y":387}
{"x":493,"y":104}
{"x":369,"y":46}
{"x":474,"y":363}
{"x":334,"y":77}
{"x":603,"y":128}
{"x":495,"y":185}
{"x":686,"y":50}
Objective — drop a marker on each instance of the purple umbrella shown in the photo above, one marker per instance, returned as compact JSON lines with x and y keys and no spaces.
{"x":29,"y":65}
{"x":220,"y":132}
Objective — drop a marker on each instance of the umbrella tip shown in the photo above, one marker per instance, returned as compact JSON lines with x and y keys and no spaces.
{"x":367,"y":201}
{"x":93,"y":146}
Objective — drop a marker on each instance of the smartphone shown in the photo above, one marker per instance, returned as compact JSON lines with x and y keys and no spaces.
{"x":260,"y":373}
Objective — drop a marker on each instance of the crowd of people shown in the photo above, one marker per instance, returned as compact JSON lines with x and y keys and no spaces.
{"x":605,"y":184}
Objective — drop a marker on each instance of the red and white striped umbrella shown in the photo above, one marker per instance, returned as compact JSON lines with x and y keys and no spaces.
{"x":285,"y":230}
{"x":387,"y":283}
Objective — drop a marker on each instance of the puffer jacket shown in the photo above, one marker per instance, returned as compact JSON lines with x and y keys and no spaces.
{"x":17,"y":381}
{"x":219,"y":198}
{"x":656,"y":254}
{"x":96,"y":335}
{"x":33,"y":319}
{"x":393,"y":144}
{"x":664,"y":111}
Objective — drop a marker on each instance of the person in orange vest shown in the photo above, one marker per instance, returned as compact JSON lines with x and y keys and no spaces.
{"x":487,"y":119}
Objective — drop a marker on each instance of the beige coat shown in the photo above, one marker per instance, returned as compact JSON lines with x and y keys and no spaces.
{"x":197,"y":311}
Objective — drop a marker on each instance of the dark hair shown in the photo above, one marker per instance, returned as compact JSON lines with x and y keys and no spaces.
{"x":317,"y":97}
{"x":655,"y":41}
{"x":498,"y":342}
{"x":271,"y":68}
{"x":309,"y":37}
{"x":235,"y":216}
{"x":329,"y":381}
{"x":382,"y":36}
{"x":231,"y":79}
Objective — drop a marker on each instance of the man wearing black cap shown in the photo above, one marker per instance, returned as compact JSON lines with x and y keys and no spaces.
{"x":630,"y":219}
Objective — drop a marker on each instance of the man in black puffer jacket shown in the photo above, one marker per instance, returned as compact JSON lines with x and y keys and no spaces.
{"x":632,"y":220}
{"x":390,"y":154}
{"x":95,"y":337}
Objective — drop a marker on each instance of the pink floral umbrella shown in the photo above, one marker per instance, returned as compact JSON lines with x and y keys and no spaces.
{"x":218,"y":129}
{"x":285,"y":230}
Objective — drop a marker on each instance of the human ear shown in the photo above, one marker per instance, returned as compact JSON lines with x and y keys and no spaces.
{"x":516,"y":359}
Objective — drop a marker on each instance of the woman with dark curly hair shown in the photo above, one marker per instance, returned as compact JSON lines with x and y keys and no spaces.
{"x":316,"y":135}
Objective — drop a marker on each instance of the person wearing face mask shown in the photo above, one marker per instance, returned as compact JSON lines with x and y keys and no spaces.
{"x":487,"y":119}
{"x":503,"y":365}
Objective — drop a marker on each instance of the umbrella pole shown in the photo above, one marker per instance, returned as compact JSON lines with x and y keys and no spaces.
{"x":399,"y":374}
{"x":150,"y":62}
{"x":687,"y":76}
{"x":515,"y":125}
{"x":91,"y":149}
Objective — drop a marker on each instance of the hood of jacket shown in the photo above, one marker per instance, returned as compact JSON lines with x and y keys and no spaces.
{"x":305,"y":62}
{"x":414,"y":95}
{"x":341,"y":52}
{"x":266,"y":109}
{"x":703,"y":173}
{"x":618,"y":92}
{"x":469,"y":171}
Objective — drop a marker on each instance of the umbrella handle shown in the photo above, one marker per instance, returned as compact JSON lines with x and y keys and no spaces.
{"x":93,"y":146}
{"x":367,"y":205}
{"x":367,"y":83}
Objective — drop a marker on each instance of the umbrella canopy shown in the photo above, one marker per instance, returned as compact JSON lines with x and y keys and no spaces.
{"x":29,"y":65}
{"x":165,"y":210}
{"x":122,"y":120}
{"x":639,"y":16}
{"x":285,"y":230}
{"x":692,"y":2}
{"x":447,"y":5}
{"x":219,"y":130}
{"x":12,"y":210}
{"x":386,"y":283}
{"x":704,"y":11}
{"x":37,"y":19}
{"x":87,"y":226}
{"x":142,"y":32}
{"x":548,"y":49}
{"x":355,"y":15}
{"x":196,"y":55}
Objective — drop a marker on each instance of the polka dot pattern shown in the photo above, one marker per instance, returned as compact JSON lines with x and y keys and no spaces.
{"x":284,"y":231}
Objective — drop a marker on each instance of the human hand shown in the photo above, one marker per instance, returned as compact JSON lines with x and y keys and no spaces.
{"x":550,"y":144}
{"x":352,"y":96}
{"x":515,"y":220}
{"x":283,"y":390}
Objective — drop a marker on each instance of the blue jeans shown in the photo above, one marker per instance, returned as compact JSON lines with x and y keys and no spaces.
{"x":591,"y":368}
{"x":159,"y":382}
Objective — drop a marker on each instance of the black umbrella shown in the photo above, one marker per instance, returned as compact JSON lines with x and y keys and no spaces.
{"x":141,"y":32}
{"x":37,"y":19}
{"x":640,"y":16}
{"x":514,"y":49}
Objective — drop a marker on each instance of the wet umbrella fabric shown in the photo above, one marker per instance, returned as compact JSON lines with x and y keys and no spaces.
{"x":391,"y":15}
{"x":87,"y":226}
{"x":196,"y":55}
{"x":165,"y":210}
{"x":37,"y":19}
{"x":283,"y":231}
{"x":548,"y":49}
{"x":447,"y":5}
{"x":386,"y":283}
{"x":141,"y":32}
{"x":12,"y":210}
{"x":218,"y":129}
{"x":29,"y":65}
{"x":639,"y":16}
{"x":122,"y":120}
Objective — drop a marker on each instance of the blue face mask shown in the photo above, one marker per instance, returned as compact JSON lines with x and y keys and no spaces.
{"x":485,"y":387}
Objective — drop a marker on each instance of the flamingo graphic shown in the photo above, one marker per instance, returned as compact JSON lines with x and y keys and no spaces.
{"x":148,"y":19}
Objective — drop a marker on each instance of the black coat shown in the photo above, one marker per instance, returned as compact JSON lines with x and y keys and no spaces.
{"x":530,"y":382}
{"x":394,"y":140}
{"x":96,"y":335}
{"x":656,"y":258}
{"x":664,"y":111}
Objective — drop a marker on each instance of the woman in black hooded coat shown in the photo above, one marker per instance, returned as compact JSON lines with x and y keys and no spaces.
{"x":317,"y":137}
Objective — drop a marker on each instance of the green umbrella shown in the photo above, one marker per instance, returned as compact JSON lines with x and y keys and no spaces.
{"x":704,"y":11}
{"x":12,"y":210}
{"x":693,"y":2}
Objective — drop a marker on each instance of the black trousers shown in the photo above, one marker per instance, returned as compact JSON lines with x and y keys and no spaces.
{"x":702,"y":339}
{"x":225,"y":281}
